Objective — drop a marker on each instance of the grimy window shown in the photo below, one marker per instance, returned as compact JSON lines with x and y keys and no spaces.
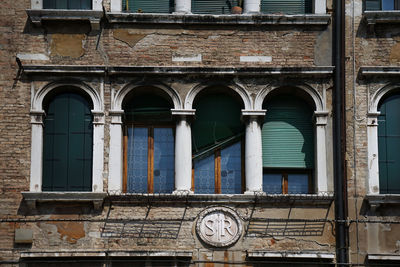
{"x":67,"y":4}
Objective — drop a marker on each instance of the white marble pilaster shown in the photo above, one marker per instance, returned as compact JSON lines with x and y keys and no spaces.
{"x":321,"y":177}
{"x":183,"y":6}
{"x":373,"y":163}
{"x":36,"y":151}
{"x":251,"y":6}
{"x":115,"y":156}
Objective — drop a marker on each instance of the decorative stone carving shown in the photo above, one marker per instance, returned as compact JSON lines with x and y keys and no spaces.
{"x":219,"y":226}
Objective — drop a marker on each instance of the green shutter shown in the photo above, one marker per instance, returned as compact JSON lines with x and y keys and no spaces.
{"x":217,"y":119}
{"x":213,"y":6}
{"x":373,"y":5}
{"x":286,"y":6}
{"x":67,"y":145}
{"x":147,"y":108}
{"x":288,"y":134}
{"x":147,"y":6}
{"x":67,"y":4}
{"x":389,"y":145}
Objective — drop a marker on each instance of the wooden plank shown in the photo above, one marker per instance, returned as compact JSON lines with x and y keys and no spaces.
{"x":150,"y":161}
{"x":285,"y":183}
{"x":217,"y":168}
{"x":192,"y":187}
{"x":125,"y":168}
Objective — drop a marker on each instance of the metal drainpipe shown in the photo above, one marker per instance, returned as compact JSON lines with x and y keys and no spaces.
{"x":339,"y":133}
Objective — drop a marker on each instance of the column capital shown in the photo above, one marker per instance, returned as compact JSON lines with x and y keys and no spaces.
{"x":37,"y":116}
{"x":253,"y":113}
{"x":321,"y":117}
{"x":98,"y":117}
{"x":116,"y":116}
{"x":183,"y":112}
{"x":372,"y":119}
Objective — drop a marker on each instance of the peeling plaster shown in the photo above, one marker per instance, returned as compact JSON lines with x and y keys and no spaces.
{"x":67,"y":45}
{"x":72,"y":231}
{"x":128,"y":37}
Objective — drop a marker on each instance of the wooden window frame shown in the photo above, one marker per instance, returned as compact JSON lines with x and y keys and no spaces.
{"x":150,"y":154}
{"x":284,"y":175}
{"x":217,"y":168}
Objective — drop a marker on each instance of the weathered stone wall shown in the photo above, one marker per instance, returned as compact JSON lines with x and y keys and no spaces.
{"x":58,"y":227}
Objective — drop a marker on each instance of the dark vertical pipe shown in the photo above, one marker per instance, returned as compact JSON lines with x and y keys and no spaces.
{"x":339,"y":133}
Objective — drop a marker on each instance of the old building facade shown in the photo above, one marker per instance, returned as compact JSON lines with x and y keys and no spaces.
{"x":177,"y":133}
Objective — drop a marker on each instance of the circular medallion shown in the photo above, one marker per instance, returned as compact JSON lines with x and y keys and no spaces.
{"x":219,"y":226}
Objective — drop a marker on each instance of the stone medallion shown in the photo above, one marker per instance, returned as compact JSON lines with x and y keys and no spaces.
{"x":219,"y":226}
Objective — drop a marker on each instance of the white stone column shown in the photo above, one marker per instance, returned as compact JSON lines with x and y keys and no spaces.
{"x":36,"y":4}
{"x":98,"y":148}
{"x":321,"y":177}
{"x":183,"y":151}
{"x":373,"y":163}
{"x":183,"y":6}
{"x":116,"y":5}
{"x":115,"y":155}
{"x":98,"y":5}
{"x":319,"y":7}
{"x":253,"y":152}
{"x":36,"y":151}
{"x":251,"y":6}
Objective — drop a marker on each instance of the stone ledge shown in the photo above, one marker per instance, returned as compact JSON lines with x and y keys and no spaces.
{"x":324,"y":199}
{"x":375,"y":17}
{"x":196,"y":19}
{"x":32,"y":198}
{"x":375,"y":201}
{"x":39,"y":15}
{"x":291,"y":254}
{"x":109,"y":253}
{"x":383,"y":257}
{"x":379,"y":71}
{"x":322,"y":71}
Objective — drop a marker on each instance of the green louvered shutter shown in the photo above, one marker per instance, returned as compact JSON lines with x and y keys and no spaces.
{"x":286,"y":6}
{"x":213,"y":6}
{"x":217,"y":119}
{"x":287,"y":134}
{"x":67,"y":4}
{"x":147,"y":6}
{"x":373,"y":5}
{"x":389,"y":145}
{"x":67,"y":145}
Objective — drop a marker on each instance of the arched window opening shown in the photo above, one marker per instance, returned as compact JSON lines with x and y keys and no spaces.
{"x":149,"y":144}
{"x":217,"y":143}
{"x":68,"y":143}
{"x":389,"y":144}
{"x":288,"y":146}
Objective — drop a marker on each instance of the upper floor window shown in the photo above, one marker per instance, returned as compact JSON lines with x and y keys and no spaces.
{"x":288,"y":146}
{"x":67,"y":4}
{"x":382,"y":5}
{"x":217,"y":145}
{"x":389,"y":145}
{"x":148,"y":6}
{"x":149,"y":145}
{"x":67,"y":144}
{"x":213,"y":6}
{"x":286,"y":6}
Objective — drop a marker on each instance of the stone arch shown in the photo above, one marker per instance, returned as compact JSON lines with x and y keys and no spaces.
{"x":121,"y":94}
{"x":314,"y":95}
{"x":40,"y":95}
{"x":247,"y":103}
{"x":379,"y":94}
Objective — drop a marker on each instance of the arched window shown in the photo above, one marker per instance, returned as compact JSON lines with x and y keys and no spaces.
{"x":389,"y":145}
{"x":287,"y":145}
{"x":149,"y":145}
{"x":67,"y":144}
{"x":217,"y":145}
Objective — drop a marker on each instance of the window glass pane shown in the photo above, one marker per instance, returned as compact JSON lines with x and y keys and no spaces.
{"x":297,"y":183}
{"x":204,"y":178}
{"x":231,"y":169}
{"x":164,"y":162}
{"x":137,"y":159}
{"x":272,"y":183}
{"x":387,"y":4}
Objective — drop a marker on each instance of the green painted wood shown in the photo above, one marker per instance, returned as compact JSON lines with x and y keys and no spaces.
{"x":288,"y":134}
{"x":147,"y":6}
{"x":67,"y":4}
{"x":373,"y":5}
{"x":286,"y":6}
{"x":147,"y":108}
{"x":217,"y":119}
{"x":67,"y":144}
{"x":213,"y":6}
{"x":389,"y":145}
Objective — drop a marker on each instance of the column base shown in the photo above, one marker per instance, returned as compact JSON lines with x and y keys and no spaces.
{"x":256,"y":193}
{"x":182,"y":192}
